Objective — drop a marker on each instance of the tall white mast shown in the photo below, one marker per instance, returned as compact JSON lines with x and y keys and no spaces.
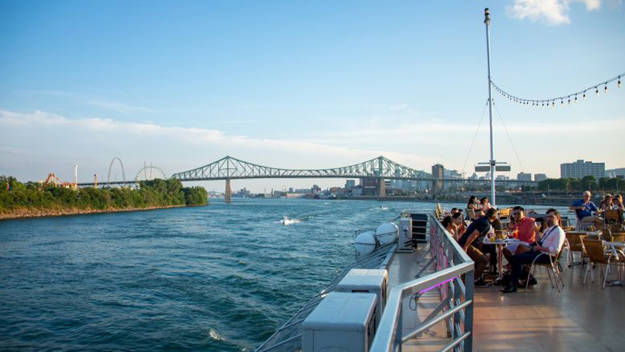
{"x":490,"y":111}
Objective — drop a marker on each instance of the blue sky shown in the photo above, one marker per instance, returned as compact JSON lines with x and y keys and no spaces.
{"x":303,"y":84}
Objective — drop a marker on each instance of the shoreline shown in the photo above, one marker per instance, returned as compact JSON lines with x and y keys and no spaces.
{"x":48,"y":213}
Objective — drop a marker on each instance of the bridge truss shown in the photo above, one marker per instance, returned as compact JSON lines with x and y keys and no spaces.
{"x":232,"y":168}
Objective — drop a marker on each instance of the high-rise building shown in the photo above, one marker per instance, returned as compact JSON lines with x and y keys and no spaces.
{"x":438,"y":173}
{"x":540,"y":177}
{"x":522,"y":176}
{"x":582,"y":168}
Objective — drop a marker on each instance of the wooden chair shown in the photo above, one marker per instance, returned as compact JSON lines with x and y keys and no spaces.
{"x":504,"y":214}
{"x":598,"y":255}
{"x":575,"y":244}
{"x":438,"y":212}
{"x":613,"y":236}
{"x":612,"y":217}
{"x":553,"y":269}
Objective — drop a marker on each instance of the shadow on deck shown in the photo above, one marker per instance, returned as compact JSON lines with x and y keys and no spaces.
{"x":580,"y":318}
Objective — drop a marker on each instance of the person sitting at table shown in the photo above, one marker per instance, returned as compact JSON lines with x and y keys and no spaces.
{"x":550,"y":244}
{"x":525,"y":228}
{"x":584,"y":209}
{"x":449,"y":225}
{"x":606,"y":203}
{"x":460,"y":226}
{"x":478,"y":229}
{"x":618,"y":205}
{"x":472,"y":206}
{"x":485,"y":204}
{"x":543,"y":223}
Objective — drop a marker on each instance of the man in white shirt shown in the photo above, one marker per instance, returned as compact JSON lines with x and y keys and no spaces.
{"x":550,"y":244}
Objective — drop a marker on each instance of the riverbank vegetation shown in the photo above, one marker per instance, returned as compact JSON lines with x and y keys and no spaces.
{"x":604,"y":184}
{"x":33,"y":199}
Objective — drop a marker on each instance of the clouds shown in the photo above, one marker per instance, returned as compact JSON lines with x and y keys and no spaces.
{"x":553,"y":12}
{"x":38,"y":142}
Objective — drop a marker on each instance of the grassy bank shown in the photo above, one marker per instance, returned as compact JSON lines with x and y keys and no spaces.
{"x":19,"y":200}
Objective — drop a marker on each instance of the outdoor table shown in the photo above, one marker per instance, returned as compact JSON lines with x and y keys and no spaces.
{"x":500,"y":244}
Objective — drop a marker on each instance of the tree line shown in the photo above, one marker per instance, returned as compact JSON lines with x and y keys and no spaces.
{"x":154,"y":193}
{"x":604,"y":184}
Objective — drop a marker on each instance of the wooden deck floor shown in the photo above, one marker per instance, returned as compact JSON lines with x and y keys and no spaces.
{"x":580,"y":318}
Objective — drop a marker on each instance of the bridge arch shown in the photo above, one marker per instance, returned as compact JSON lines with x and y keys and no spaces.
{"x":148,"y":171}
{"x":121,"y":164}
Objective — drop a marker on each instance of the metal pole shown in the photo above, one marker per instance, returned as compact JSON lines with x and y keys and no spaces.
{"x":490,"y":112}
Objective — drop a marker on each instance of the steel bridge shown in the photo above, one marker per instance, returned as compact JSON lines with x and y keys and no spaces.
{"x":380,"y":169}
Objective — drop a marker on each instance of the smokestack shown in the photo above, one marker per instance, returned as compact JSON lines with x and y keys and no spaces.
{"x":75,"y":174}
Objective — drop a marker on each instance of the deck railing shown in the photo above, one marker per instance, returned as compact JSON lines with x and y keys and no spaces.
{"x":453,"y":278}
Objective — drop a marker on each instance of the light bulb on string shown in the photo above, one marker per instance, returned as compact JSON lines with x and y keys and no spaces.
{"x":584,"y":96}
{"x":596,"y":90}
{"x":605,"y":88}
{"x":618,"y":83}
{"x":561,"y":102}
{"x":575,"y":98}
{"x":569,"y":101}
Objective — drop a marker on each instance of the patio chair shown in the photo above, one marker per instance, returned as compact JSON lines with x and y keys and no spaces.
{"x":611,"y":217}
{"x":553,"y":269}
{"x":575,"y":244}
{"x":598,"y":255}
{"x":504,"y":214}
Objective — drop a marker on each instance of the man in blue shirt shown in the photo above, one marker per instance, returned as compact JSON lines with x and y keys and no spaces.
{"x":584,"y":208}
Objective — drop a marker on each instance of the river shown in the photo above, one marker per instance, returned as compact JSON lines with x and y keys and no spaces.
{"x":216,"y":278}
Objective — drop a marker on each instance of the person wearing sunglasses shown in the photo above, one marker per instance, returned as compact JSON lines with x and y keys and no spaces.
{"x":525,"y":227}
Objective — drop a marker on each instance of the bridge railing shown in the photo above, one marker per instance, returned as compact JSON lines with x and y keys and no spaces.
{"x":453,"y":278}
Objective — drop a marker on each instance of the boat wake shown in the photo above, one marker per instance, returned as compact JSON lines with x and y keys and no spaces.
{"x":286,"y":221}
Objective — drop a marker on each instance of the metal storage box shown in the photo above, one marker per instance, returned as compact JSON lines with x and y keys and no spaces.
{"x":341,"y":322}
{"x":369,"y":281}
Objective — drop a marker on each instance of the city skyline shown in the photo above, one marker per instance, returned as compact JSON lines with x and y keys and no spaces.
{"x":303,"y":85}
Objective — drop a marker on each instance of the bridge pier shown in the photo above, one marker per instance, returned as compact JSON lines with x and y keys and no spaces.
{"x":381,"y":188}
{"x":228,"y":192}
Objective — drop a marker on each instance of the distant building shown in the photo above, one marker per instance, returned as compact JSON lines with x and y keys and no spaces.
{"x":582,"y":168}
{"x":522,"y":176}
{"x":349,"y":184}
{"x":369,"y":186}
{"x":540,"y":177}
{"x":438,"y":173}
{"x":612,"y":173}
{"x":502,"y":178}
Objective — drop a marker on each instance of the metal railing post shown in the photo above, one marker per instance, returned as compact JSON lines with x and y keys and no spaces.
{"x":468,"y":311}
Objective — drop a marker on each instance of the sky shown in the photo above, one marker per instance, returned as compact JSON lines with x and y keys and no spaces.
{"x":304,"y":84}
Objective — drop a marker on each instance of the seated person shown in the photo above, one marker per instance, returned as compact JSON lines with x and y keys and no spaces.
{"x":460,"y":225}
{"x":543,"y":222}
{"x":449,"y":225}
{"x":550,"y":244}
{"x":478,"y":229}
{"x":472,"y":206}
{"x":526,"y":229}
{"x":485,"y":204}
{"x":584,"y":209}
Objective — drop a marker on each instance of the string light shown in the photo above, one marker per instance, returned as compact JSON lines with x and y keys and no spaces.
{"x":552,"y":101}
